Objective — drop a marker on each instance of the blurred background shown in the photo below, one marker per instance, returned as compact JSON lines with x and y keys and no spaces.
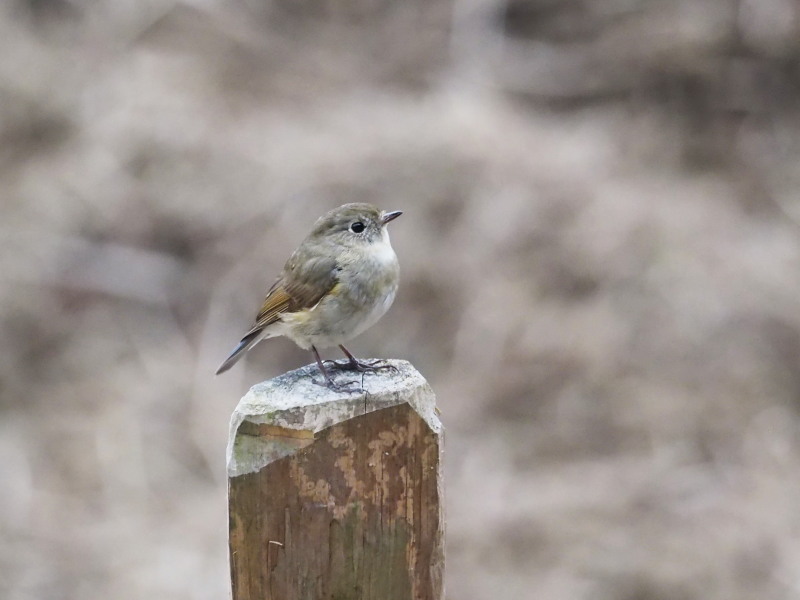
{"x":601,"y":277}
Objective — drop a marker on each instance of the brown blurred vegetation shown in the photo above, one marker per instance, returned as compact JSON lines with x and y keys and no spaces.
{"x":601,"y":277}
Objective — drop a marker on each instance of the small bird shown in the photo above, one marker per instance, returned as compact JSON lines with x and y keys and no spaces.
{"x":341,"y":279}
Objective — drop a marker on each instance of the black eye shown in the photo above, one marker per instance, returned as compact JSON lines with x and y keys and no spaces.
{"x":357,"y":227}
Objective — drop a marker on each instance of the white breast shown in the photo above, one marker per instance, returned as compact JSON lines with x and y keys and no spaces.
{"x":383,"y":252}
{"x":352,"y":308}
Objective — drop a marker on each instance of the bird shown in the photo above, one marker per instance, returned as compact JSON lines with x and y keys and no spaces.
{"x":340,"y":281}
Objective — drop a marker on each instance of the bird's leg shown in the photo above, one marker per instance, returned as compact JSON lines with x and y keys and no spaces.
{"x":353,"y":364}
{"x":329,"y":382}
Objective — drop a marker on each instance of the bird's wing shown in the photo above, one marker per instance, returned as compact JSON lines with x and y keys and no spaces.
{"x":297,"y":289}
{"x":305,"y":281}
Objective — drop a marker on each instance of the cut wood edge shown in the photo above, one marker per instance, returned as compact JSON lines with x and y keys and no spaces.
{"x":280,"y":416}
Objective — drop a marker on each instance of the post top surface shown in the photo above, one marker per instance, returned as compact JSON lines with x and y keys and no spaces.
{"x":293,"y":401}
{"x":297,"y":388}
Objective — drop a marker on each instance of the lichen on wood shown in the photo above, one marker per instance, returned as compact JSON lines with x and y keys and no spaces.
{"x":337,"y":496}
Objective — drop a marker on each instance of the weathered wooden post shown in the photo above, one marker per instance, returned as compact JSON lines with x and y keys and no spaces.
{"x":336,"y":496}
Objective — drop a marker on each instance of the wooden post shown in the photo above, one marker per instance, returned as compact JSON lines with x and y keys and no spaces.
{"x":335,"y":495}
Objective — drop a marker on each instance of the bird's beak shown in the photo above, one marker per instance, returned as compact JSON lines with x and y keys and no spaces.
{"x":390,"y":216}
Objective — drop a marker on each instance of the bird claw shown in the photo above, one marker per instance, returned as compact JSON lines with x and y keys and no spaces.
{"x":361,"y":367}
{"x":344,"y":386}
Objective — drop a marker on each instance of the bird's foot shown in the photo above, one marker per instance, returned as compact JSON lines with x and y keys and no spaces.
{"x":359,"y":366}
{"x":343,"y":386}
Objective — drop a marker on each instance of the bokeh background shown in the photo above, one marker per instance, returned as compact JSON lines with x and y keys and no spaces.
{"x":601,"y":277}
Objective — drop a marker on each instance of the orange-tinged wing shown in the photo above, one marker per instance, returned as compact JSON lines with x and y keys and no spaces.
{"x":303,"y":284}
{"x":305,"y":281}
{"x":277,"y":301}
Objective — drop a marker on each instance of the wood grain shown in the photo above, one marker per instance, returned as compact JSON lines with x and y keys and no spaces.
{"x":354,"y":515}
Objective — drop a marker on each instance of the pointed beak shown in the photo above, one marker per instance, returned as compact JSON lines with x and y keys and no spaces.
{"x":390,"y":216}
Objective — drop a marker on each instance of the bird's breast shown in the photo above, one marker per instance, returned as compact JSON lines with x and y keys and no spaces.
{"x":368,"y":277}
{"x":368,"y":283}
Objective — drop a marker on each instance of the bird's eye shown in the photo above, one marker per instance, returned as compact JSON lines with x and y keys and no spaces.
{"x":357,"y":227}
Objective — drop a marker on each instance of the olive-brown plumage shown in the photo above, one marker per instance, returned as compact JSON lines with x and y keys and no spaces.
{"x":341,"y":279}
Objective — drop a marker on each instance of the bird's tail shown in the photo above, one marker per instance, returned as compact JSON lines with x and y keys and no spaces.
{"x":248,"y":341}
